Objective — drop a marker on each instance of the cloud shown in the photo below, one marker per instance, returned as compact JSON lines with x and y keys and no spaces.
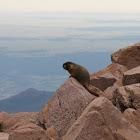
{"x":17,"y":38}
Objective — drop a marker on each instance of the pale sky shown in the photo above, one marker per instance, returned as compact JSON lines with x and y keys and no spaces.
{"x":70,"y":6}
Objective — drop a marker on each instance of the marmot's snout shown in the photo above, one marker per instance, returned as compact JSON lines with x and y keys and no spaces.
{"x":64,"y":66}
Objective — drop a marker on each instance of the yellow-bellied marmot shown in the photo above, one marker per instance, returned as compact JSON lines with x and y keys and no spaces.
{"x":78,"y":72}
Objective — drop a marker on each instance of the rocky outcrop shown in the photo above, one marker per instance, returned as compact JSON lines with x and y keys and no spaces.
{"x":115,"y":69}
{"x":12,"y":121}
{"x":133,"y":116}
{"x":127,"y":97}
{"x":132,"y":76}
{"x":52,"y":133}
{"x":128,"y":56}
{"x":103,"y":81}
{"x":108,"y":79}
{"x":4,"y":136}
{"x":28,"y":132}
{"x":75,"y":114}
{"x":89,"y":127}
{"x":66,"y":106}
{"x":102,"y":121}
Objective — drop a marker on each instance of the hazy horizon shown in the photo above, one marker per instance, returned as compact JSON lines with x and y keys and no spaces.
{"x":47,"y":34}
{"x":34,"y":45}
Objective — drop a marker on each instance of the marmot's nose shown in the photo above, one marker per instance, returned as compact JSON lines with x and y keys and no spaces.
{"x":64,"y":66}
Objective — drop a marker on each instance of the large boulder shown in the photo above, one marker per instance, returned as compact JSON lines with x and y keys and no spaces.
{"x":132,"y":76}
{"x":12,"y":121}
{"x":133,"y":116}
{"x":66,"y":106}
{"x":127,"y":97}
{"x":115,"y":69}
{"x":102,"y":121}
{"x":103,"y":81}
{"x":128,"y":56}
{"x":4,"y":136}
{"x":107,"y":77}
{"x":29,"y":132}
{"x":90,"y":126}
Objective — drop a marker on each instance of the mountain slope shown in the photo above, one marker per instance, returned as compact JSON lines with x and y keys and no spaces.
{"x":30,"y":100}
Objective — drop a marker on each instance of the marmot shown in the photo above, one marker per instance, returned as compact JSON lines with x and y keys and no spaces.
{"x":78,"y":72}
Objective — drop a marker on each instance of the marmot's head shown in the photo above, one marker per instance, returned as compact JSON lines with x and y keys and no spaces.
{"x":67,"y":65}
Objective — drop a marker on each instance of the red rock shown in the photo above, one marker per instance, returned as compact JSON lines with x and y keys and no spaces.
{"x":132,"y":76}
{"x":12,"y":121}
{"x":108,"y":92}
{"x":91,"y":126}
{"x":127,"y":97}
{"x":102,"y":121}
{"x":133,"y":116}
{"x":128,"y":56}
{"x":109,"y":85}
{"x":4,"y":136}
{"x":103,"y":81}
{"x":28,"y":132}
{"x":115,"y":69}
{"x":52,"y":133}
{"x":66,"y":106}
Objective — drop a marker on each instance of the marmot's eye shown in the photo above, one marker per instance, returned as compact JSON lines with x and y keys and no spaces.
{"x":69,"y":62}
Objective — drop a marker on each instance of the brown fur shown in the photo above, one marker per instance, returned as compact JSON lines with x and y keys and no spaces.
{"x":78,"y":72}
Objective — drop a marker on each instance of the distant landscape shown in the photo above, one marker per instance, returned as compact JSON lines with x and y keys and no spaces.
{"x":33,"y":46}
{"x":30,"y":100}
{"x":42,"y":73}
